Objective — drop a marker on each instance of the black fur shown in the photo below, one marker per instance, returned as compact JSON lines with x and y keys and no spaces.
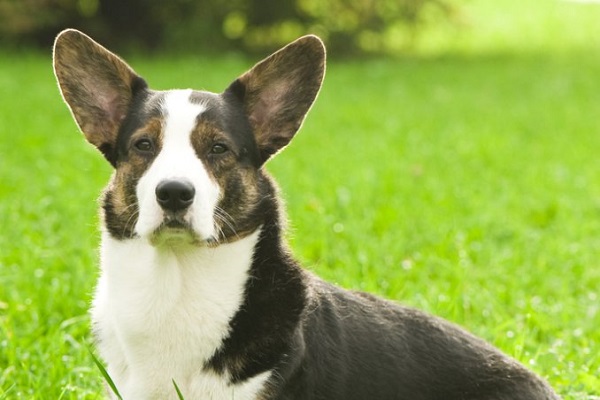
{"x":327,"y":343}
{"x":275,"y":299}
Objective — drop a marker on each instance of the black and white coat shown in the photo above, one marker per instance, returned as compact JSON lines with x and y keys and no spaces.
{"x":197,"y":285}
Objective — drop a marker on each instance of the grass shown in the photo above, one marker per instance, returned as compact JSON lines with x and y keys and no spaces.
{"x":465,"y":183}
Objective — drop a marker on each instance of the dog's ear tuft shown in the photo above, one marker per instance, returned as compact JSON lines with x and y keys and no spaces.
{"x":278,"y":92}
{"x":97,"y":86}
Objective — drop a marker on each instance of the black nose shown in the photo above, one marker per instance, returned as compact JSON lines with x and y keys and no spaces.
{"x":175,"y":195}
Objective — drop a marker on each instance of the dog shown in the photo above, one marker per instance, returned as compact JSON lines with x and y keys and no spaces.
{"x":198,"y":291}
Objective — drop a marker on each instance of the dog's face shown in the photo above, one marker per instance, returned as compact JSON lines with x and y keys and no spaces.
{"x":187,"y":163}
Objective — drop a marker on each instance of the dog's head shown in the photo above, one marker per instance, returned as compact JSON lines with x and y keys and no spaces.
{"x":187,"y":163}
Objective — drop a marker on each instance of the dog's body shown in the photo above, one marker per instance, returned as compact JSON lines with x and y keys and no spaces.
{"x":197,"y":285}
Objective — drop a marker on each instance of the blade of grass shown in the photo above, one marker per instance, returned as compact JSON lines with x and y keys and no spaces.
{"x":5,"y":393}
{"x":106,"y":376}
{"x":179,"y":395}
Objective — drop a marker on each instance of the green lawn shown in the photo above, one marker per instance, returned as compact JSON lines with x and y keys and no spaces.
{"x":464,"y":182}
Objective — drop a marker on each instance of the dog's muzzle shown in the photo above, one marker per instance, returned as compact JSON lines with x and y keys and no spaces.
{"x":174,"y":197}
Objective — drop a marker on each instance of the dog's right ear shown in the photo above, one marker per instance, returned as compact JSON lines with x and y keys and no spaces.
{"x":97,"y":86}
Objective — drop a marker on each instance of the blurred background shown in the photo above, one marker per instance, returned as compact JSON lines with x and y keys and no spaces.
{"x":349,"y":27}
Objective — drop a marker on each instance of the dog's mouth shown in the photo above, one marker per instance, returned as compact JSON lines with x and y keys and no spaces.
{"x":175,"y":231}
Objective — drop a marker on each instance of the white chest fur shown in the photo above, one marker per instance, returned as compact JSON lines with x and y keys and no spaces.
{"x":160,"y":314}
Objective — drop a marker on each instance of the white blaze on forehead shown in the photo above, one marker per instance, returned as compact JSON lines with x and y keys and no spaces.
{"x":180,"y":118}
{"x":178,"y":160}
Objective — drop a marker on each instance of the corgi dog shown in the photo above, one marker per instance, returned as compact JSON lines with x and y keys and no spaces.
{"x":198,"y":288}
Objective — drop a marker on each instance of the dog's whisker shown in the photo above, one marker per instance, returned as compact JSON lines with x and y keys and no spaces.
{"x":224,"y":217}
{"x":228,"y":219}
{"x":220,"y":232}
{"x":130,"y":220}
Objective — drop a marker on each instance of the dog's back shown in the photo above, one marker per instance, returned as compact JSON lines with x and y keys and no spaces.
{"x":361,"y":347}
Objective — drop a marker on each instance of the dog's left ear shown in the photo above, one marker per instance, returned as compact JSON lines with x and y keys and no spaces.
{"x":278,"y":92}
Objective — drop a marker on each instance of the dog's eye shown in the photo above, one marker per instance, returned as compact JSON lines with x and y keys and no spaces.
{"x":218,"y":148}
{"x":144,"y":145}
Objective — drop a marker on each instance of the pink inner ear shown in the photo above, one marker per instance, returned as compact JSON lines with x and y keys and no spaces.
{"x":270,"y":101}
{"x":260,"y":113}
{"x":110,"y":102}
{"x":100,"y":121}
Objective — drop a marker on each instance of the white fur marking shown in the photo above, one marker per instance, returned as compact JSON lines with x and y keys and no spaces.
{"x":161,"y":314}
{"x":178,"y":160}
